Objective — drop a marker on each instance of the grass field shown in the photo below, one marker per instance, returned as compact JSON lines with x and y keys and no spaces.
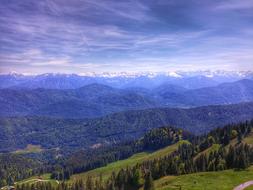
{"x":249,"y":139}
{"x":223,"y":180}
{"x":35,"y":179}
{"x":136,"y":158}
{"x":29,"y":149}
{"x":249,"y":188}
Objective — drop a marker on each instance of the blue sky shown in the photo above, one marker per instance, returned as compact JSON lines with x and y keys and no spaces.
{"x":81,"y":36}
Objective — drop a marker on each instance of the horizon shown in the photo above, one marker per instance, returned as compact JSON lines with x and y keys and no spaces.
{"x":175,"y":74}
{"x":83,"y":36}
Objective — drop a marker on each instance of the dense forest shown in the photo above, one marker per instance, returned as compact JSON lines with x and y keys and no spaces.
{"x":75,"y":134}
{"x":188,"y":158}
{"x":151,"y":141}
{"x":16,"y":167}
{"x":23,"y":166}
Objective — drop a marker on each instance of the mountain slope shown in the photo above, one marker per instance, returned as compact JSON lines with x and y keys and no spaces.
{"x":107,"y":170}
{"x":183,"y":161}
{"x":226,"y":93}
{"x":226,"y":180}
{"x":90,"y":101}
{"x":177,"y":159}
{"x":95,"y":100}
{"x":18,"y":132}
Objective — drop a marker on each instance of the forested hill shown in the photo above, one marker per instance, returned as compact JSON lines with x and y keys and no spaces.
{"x":221,"y":149}
{"x":18,"y":132}
{"x":97,"y":100}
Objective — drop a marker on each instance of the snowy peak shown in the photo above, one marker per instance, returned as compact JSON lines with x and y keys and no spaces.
{"x":176,"y":74}
{"x":149,"y":80}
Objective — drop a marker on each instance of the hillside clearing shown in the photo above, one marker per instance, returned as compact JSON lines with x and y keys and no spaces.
{"x":222,"y":180}
{"x":36,"y":179}
{"x":29,"y":149}
{"x":136,"y":158}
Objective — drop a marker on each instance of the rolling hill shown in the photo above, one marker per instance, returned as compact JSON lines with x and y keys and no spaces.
{"x":141,"y":157}
{"x":93,"y":100}
{"x":227,"y":179}
{"x":177,"y":165}
{"x":227,"y":93}
{"x":18,"y":132}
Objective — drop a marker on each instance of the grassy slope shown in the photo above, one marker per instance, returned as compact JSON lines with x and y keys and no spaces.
{"x":249,"y":139}
{"x":225,"y":177}
{"x":223,"y":180}
{"x":249,"y":188}
{"x":140,"y":157}
{"x":34,"y":179}
{"x":136,"y":158}
{"x":115,"y":166}
{"x":29,"y":149}
{"x":214,"y":147}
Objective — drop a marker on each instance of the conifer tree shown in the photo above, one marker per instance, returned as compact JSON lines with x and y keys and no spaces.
{"x":149,"y":184}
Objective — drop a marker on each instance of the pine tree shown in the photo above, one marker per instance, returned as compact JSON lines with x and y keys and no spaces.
{"x":243,"y":162}
{"x":149,"y":184}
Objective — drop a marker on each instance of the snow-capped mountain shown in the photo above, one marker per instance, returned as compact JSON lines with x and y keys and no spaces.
{"x":190,"y":80}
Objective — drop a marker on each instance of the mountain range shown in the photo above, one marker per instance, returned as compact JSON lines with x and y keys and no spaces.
{"x":190,"y":80}
{"x":96,"y":100}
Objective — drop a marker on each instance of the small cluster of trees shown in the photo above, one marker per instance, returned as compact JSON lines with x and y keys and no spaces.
{"x":15,"y":167}
{"x":39,"y":186}
{"x":60,"y":175}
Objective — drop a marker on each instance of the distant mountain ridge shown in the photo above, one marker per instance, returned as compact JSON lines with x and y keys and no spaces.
{"x":96,"y":100}
{"x":191,"y":80}
{"x":226,"y":93}
{"x":93,"y":100}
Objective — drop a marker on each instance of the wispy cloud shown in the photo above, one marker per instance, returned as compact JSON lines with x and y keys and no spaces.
{"x":96,"y":35}
{"x":235,"y":5}
{"x":34,"y":57}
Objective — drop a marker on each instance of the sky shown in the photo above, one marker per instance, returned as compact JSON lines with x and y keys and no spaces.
{"x":80,"y":36}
